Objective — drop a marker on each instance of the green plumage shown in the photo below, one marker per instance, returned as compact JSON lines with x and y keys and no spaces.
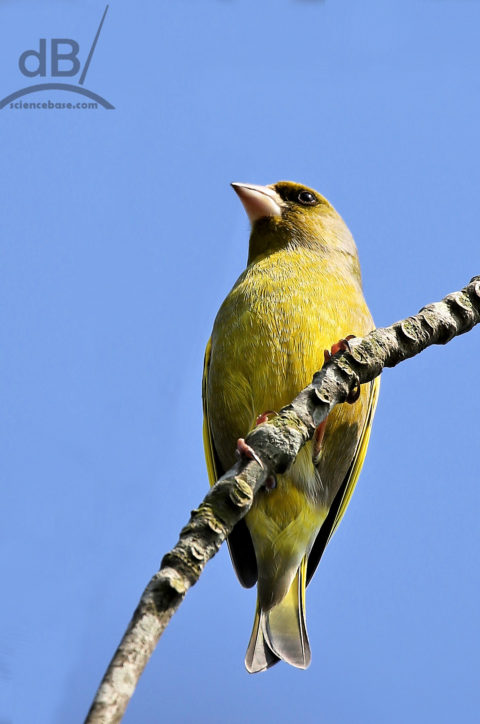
{"x":300,"y":293}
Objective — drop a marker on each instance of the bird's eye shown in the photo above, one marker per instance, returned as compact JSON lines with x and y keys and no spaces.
{"x":306,"y":198}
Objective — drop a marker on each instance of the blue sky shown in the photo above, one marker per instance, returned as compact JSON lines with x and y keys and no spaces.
{"x":121,"y":237}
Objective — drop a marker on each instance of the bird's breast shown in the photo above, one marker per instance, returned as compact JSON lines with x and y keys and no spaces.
{"x":269,"y":337}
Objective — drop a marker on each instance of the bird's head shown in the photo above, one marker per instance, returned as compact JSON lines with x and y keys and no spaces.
{"x":288,"y":215}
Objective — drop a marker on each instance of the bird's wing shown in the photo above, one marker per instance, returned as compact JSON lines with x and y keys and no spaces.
{"x":239,"y":541}
{"x":213,"y":467}
{"x":344,"y":494}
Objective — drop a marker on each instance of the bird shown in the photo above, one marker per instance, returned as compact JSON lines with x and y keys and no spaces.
{"x":301,"y":291}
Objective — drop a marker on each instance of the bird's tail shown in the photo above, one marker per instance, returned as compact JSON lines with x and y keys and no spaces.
{"x":281,"y":632}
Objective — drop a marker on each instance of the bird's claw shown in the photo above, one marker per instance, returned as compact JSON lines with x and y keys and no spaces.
{"x":341,"y":346}
{"x":247,"y":451}
{"x":318,"y":436}
{"x":265,"y":417}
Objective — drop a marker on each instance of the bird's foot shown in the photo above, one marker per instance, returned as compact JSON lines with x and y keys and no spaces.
{"x":247,"y":451}
{"x":318,"y":436}
{"x":265,"y":417}
{"x":342,"y":346}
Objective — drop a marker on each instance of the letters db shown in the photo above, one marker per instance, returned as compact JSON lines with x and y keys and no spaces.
{"x":57,"y":58}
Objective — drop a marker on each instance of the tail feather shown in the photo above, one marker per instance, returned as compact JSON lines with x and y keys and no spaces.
{"x":259,"y":656}
{"x":281,"y":632}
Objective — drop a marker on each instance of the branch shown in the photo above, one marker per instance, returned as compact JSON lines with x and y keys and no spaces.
{"x":277,"y":444}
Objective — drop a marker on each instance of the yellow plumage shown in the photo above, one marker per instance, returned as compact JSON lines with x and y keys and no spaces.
{"x":300,"y":293}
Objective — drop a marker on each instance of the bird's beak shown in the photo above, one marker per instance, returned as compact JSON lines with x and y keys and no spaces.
{"x":259,"y":201}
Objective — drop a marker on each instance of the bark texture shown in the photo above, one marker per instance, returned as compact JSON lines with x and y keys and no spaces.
{"x":276,"y":444}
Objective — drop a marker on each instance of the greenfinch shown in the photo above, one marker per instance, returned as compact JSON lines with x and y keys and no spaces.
{"x":300,"y":293}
